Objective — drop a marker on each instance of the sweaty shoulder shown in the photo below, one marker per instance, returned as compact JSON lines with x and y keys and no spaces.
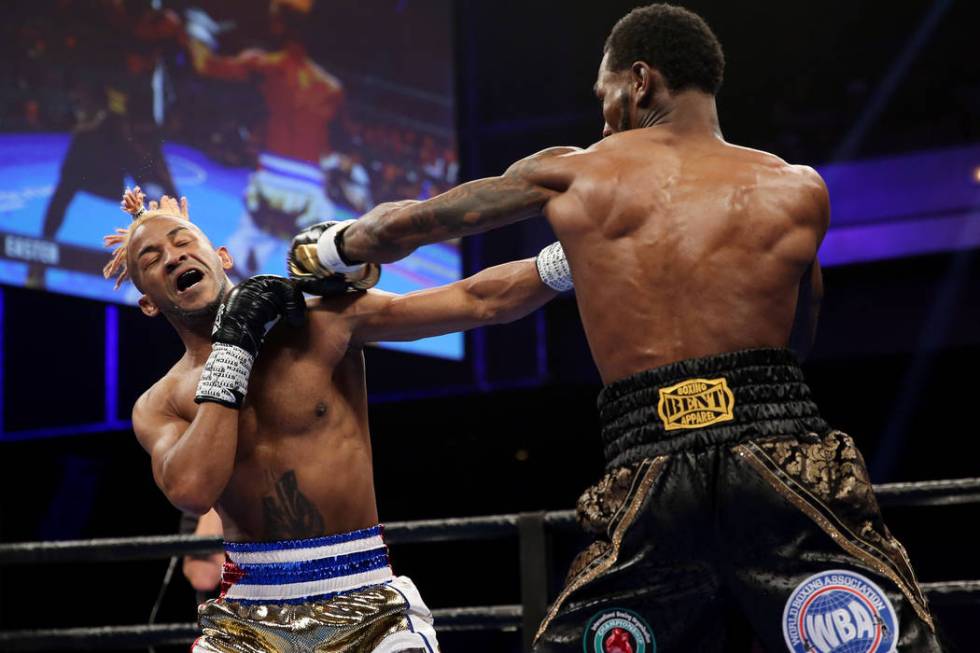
{"x":807,"y":191}
{"x":813,"y":186}
{"x":552,"y":168}
{"x":547,"y":156}
{"x":635,"y":147}
{"x":800,"y":186}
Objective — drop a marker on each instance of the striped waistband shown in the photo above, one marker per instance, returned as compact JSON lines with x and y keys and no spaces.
{"x":294,"y":571}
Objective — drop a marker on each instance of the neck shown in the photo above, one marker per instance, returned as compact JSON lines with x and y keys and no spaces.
{"x":195,"y":328}
{"x":689,"y":111}
{"x":196,"y":336}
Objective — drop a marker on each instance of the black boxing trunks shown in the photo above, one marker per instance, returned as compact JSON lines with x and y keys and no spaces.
{"x":729,"y":501}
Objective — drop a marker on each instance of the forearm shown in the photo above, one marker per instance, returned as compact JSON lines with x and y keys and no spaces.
{"x":392,"y":231}
{"x":503,"y":293}
{"x":196,"y":469}
{"x":507,"y":292}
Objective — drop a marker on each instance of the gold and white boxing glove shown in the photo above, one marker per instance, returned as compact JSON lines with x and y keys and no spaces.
{"x":315,"y":260}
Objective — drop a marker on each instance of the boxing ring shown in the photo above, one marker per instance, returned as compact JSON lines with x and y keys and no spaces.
{"x":532,"y":531}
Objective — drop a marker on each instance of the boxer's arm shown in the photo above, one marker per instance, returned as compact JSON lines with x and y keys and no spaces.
{"x":807,"y":311}
{"x":237,"y":68}
{"x":497,"y":295}
{"x":203,"y":571}
{"x":392,"y":231}
{"x":192,"y":462}
{"x":810,"y":293}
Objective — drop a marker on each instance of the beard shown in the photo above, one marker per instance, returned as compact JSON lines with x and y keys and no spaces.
{"x":198,"y":316}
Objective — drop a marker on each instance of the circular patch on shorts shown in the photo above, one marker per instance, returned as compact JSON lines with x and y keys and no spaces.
{"x":839,"y":611}
{"x":618,"y":630}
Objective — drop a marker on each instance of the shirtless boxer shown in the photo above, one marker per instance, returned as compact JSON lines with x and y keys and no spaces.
{"x":727,"y":495}
{"x":287,"y":466}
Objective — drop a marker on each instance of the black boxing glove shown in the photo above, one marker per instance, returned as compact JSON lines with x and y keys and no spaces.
{"x":244,"y":318}
{"x":317,"y":264}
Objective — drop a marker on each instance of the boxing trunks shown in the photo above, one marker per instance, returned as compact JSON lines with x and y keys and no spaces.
{"x":729,"y":504}
{"x":324,"y":595}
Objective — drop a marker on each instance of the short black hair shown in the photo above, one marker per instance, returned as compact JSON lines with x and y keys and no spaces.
{"x":675,"y":41}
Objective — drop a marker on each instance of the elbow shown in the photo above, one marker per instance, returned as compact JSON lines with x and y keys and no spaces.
{"x":489,"y":312}
{"x":484,"y":305}
{"x":188,"y":492}
{"x":190,"y":501}
{"x":496,"y":311}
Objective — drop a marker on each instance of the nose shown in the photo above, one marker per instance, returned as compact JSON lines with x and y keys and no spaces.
{"x":174,"y":258}
{"x":606,"y":130}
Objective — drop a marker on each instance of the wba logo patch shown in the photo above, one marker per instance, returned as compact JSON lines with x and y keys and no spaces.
{"x":839,"y":611}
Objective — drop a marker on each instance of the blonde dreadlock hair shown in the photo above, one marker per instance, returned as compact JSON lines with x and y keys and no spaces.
{"x":117,"y":265}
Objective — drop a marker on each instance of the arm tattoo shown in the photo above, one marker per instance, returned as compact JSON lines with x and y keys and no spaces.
{"x":471,"y":208}
{"x":476,"y":207}
{"x":288,"y":514}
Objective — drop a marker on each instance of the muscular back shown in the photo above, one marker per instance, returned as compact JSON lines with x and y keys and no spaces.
{"x":684,"y":246}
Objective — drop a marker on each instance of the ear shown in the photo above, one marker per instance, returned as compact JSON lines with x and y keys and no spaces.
{"x":148,"y":307}
{"x":227,"y":262}
{"x":645,"y":83}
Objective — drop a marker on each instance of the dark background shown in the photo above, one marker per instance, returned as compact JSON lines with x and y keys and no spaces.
{"x":513,"y":427}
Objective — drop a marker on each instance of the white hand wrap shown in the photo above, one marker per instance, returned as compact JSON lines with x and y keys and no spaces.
{"x":225,"y":376}
{"x":553,"y":268}
{"x":326,"y":250}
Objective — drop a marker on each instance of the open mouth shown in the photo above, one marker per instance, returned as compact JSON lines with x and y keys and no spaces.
{"x":188,"y":279}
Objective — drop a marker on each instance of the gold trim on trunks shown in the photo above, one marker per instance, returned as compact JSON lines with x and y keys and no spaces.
{"x":815,"y":509}
{"x":696,"y":403}
{"x":620,"y":522}
{"x":358,"y":621}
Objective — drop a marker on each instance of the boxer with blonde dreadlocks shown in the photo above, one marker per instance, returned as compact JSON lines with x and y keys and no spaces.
{"x":267,"y":424}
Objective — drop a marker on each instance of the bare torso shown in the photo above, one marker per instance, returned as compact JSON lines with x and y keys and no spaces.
{"x":303,"y":462}
{"x":682,"y":245}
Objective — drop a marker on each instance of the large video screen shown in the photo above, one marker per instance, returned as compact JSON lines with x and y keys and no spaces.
{"x":269,"y":115}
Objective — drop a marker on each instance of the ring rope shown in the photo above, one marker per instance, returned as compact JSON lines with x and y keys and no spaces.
{"x":505,"y":617}
{"x":928,"y":493}
{"x":500,"y":617}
